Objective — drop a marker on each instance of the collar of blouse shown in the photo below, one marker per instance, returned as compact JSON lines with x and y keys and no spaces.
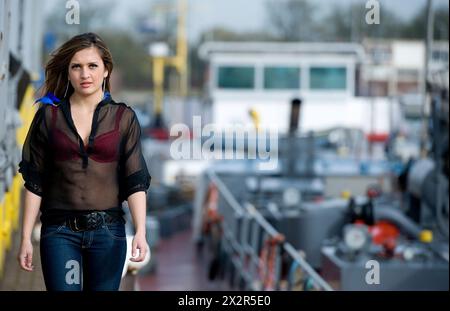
{"x":65,"y":107}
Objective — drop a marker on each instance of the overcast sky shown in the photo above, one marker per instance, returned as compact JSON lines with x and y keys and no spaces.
{"x":238,"y":15}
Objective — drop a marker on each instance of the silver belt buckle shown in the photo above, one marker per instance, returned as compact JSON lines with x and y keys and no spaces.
{"x":75,"y":224}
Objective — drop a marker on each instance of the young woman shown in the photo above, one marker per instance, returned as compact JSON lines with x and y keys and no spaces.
{"x":81,"y":159}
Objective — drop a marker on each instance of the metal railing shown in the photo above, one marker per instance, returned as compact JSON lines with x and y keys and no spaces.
{"x":257,"y":253}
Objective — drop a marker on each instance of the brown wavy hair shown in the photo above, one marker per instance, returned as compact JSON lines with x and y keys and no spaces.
{"x":57,"y":68}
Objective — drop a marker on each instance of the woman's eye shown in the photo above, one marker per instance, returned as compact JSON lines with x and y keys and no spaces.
{"x":78,"y":66}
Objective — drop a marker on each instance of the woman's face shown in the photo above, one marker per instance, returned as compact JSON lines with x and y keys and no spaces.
{"x":87,"y":71}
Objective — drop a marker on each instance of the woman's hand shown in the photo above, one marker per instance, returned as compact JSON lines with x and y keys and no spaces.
{"x":25,"y":256}
{"x":139,"y":243}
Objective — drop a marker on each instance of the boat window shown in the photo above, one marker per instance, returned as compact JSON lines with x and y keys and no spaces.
{"x":281,"y":78}
{"x":236,"y":77}
{"x":333,"y":78}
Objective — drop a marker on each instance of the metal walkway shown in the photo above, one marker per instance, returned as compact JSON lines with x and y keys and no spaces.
{"x":179,"y":267}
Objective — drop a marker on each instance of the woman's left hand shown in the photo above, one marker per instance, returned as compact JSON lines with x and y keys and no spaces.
{"x":139,"y":243}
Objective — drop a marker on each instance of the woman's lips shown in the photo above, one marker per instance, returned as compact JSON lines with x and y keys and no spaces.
{"x":86,"y":84}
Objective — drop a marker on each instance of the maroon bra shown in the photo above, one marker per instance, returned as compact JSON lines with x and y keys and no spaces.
{"x":104,"y":149}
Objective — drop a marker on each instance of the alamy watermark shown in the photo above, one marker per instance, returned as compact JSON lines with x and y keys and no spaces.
{"x":73,"y":276}
{"x":225,"y":143}
{"x":373,"y":13}
{"x":73,"y":13}
{"x":373,"y":275}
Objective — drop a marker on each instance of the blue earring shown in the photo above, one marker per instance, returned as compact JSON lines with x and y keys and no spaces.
{"x":105,"y":93}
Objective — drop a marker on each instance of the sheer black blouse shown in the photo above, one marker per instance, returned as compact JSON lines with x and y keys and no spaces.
{"x":71,"y":176}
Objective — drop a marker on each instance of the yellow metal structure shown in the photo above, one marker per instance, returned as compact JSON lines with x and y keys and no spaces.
{"x":158,"y":81}
{"x":11,"y":201}
{"x":179,"y":62}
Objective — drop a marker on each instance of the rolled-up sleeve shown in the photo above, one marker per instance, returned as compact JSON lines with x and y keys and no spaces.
{"x":134,"y":175}
{"x":32,"y":164}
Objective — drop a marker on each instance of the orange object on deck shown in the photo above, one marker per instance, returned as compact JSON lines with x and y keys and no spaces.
{"x":384,"y":233}
{"x":267,"y":261}
{"x":211,"y":213}
{"x":377,"y":137}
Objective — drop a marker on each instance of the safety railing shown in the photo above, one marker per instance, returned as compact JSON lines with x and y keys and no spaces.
{"x":257,"y":254}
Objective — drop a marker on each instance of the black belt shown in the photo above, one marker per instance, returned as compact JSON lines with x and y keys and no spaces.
{"x":90,"y":221}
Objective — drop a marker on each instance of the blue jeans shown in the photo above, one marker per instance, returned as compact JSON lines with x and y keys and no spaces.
{"x":89,"y":260}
